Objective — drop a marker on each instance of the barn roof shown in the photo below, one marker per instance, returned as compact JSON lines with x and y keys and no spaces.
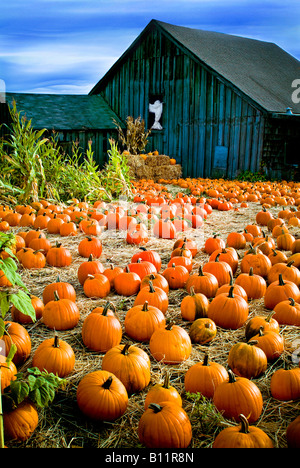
{"x":64,"y":112}
{"x":261,"y":70}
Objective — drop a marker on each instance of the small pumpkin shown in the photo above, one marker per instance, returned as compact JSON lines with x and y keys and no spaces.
{"x":90,"y":246}
{"x":162,"y":392}
{"x":254,"y":285}
{"x":59,"y":256}
{"x":247,"y":360}
{"x":8,"y":372}
{"x":194,"y":306}
{"x":272,"y":343}
{"x":176,"y":275}
{"x":154,"y":296}
{"x":96,"y":286}
{"x":15,"y":333}
{"x":65,"y":290}
{"x":287,"y":312}
{"x":203,"y":282}
{"x":22,"y":318}
{"x":127,"y":283}
{"x":280,"y":290}
{"x":203,"y":331}
{"x":261,"y":322}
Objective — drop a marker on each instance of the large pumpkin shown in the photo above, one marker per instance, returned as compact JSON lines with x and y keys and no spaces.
{"x":101,"y":329}
{"x":242,"y":436}
{"x":61,"y":314}
{"x":228,"y":311}
{"x":204,"y":377}
{"x":142,"y":320}
{"x":15,"y":333}
{"x":54,"y":355}
{"x":165,"y":425}
{"x":130,"y":364}
{"x":170,"y":345}
{"x":203,"y":282}
{"x":238,"y":396}
{"x":21,"y":422}
{"x":101,"y":396}
{"x":285,"y":384}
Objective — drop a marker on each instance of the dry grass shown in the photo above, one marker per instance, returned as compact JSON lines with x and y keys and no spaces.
{"x":62,"y":425}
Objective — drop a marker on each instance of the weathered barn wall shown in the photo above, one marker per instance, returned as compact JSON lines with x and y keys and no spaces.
{"x":208,"y":126}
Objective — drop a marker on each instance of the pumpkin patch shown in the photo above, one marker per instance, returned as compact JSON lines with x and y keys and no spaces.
{"x":180,"y":306}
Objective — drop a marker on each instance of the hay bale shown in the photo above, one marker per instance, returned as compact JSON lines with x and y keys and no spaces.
{"x":160,"y":160}
{"x":145,"y":172}
{"x":168,"y":172}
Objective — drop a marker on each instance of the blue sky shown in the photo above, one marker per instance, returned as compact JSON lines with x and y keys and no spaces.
{"x":66,"y":46}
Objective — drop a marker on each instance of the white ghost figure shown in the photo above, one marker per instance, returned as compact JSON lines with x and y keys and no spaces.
{"x":157,"y":109}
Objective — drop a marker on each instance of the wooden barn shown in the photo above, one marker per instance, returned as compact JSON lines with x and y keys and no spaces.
{"x":219,"y":104}
{"x":225,"y":99}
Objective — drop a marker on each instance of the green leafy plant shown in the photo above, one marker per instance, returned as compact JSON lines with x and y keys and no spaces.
{"x":24,"y":168}
{"x":17,"y":293}
{"x":115,"y":177}
{"x":205,"y":418}
{"x":34,"y":385}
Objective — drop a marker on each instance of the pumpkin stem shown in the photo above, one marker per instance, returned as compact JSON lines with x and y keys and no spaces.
{"x":145,"y":306}
{"x":268,"y":318}
{"x":155,"y":407}
{"x":107,"y":383}
{"x":125,"y":349}
{"x":292,"y":301}
{"x":90,"y":259}
{"x":232,"y":378}
{"x":56,"y":296}
{"x":230,"y":294}
{"x":151,"y":287}
{"x":251,"y":271}
{"x":281,"y":282}
{"x":166,"y":383}
{"x":205,"y":360}
{"x":56,"y":342}
{"x":108,"y":305}
{"x":244,"y":424}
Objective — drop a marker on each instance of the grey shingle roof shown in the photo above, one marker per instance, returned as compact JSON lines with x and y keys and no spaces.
{"x":261,"y":70}
{"x":64,"y":112}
